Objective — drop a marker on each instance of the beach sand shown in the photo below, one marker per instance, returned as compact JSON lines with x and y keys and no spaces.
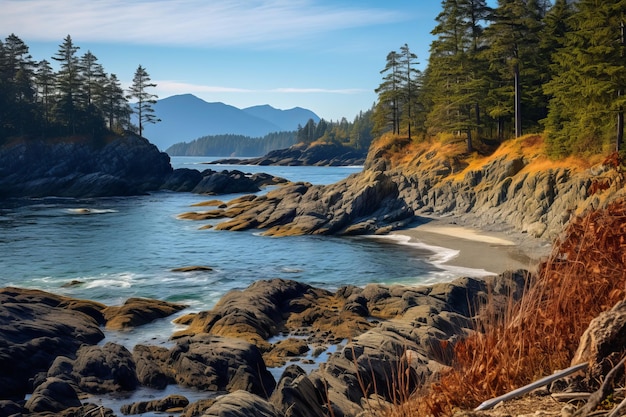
{"x":492,"y":252}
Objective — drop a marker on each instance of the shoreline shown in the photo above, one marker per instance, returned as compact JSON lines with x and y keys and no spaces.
{"x":462,"y":247}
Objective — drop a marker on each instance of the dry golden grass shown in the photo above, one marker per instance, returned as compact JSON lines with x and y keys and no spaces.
{"x":584,"y":276}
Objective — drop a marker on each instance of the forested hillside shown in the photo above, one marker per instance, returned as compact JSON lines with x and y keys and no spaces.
{"x":524,"y":66}
{"x":233,"y":145}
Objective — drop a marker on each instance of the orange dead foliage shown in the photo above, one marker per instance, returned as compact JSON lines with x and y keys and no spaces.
{"x":584,"y":276}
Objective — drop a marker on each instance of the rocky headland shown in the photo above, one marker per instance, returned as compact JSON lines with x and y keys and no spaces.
{"x":116,"y":166}
{"x":322,"y":154}
{"x":512,"y":190}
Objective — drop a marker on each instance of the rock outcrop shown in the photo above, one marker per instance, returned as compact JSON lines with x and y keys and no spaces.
{"x":364,"y":203}
{"x":35,"y":328}
{"x":120,"y":166}
{"x":309,"y":155}
{"x":379,"y":331}
{"x":503,"y":194}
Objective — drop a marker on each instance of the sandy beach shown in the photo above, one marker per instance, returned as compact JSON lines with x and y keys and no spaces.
{"x":487,"y":251}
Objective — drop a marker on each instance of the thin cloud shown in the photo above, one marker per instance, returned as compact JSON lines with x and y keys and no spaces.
{"x":176,"y":87}
{"x":185,"y":22}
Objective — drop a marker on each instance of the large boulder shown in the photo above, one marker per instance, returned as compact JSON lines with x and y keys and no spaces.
{"x":53,"y":395}
{"x":35,"y":328}
{"x":98,"y":369}
{"x":241,"y":404}
{"x":207,"y":362}
{"x":138,"y":311}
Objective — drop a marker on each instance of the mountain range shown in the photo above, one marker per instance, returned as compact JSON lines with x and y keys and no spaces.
{"x":186,"y":117}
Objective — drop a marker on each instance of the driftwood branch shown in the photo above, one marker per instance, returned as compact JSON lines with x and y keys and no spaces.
{"x":530,"y":387}
{"x":606,"y":388}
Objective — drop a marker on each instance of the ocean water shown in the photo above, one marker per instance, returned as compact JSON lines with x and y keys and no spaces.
{"x":111,"y":249}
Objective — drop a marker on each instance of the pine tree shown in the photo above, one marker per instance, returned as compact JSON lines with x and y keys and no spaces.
{"x":387,"y":114}
{"x":145,"y":100}
{"x":513,"y":38}
{"x":114,"y":105}
{"x":589,"y":78}
{"x":455,"y":81}
{"x":410,"y":85}
{"x":68,"y":84}
{"x":45,"y":81}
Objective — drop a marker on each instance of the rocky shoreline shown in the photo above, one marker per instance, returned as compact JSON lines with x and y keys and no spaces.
{"x":120,"y":166}
{"x":305,"y":155}
{"x":52,"y":347}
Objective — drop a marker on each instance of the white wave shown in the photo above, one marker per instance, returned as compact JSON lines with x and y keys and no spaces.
{"x":122,"y":280}
{"x":440,"y":258}
{"x":85,"y":210}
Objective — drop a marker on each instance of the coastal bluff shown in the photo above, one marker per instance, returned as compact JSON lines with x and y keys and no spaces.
{"x":511,"y":190}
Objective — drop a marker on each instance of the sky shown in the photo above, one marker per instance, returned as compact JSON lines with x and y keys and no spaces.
{"x":323,"y":55}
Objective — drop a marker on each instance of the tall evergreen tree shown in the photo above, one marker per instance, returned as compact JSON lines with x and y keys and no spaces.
{"x":45,"y":82}
{"x":145,"y":99}
{"x":513,"y":38}
{"x":68,"y":84}
{"x":387,"y":113}
{"x":589,"y":79}
{"x":410,"y":83}
{"x":456,"y":82}
{"x":114,"y":105}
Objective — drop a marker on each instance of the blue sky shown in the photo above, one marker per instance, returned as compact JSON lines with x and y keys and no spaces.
{"x":324,"y":55}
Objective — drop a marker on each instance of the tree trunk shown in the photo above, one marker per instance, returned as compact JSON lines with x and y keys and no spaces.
{"x":518,"y":103}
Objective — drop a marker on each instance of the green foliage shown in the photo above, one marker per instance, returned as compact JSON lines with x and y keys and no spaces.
{"x":78,"y":99}
{"x":398,"y":93}
{"x":357,"y":134}
{"x":233,"y":145}
{"x":589,"y":77}
{"x":145,"y":99}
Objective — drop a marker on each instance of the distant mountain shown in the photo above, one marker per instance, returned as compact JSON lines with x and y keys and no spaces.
{"x":288,"y":120}
{"x":186,"y":117}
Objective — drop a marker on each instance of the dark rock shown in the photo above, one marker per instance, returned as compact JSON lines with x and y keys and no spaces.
{"x":138,"y":311}
{"x":167,"y":404}
{"x":216,"y":363}
{"x":182,"y":179}
{"x":151,"y":367}
{"x":35,"y":328}
{"x":297,"y":155}
{"x":99,"y":369}
{"x":11,"y":408}
{"x":241,"y":404}
{"x":53,"y":395}
{"x":127,"y":165}
{"x":296,"y":395}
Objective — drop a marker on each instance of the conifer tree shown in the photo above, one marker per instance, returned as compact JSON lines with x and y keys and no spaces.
{"x":513,"y":38}
{"x":145,"y":99}
{"x":410,"y":84}
{"x":68,"y":84}
{"x":387,"y":114}
{"x":588,"y":82}
{"x":114,"y":105}
{"x":45,"y":81}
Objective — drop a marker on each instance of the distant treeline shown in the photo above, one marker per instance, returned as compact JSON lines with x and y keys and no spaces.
{"x":233,"y":145}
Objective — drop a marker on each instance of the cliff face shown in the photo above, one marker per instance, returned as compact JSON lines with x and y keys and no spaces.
{"x":520,"y":190}
{"x":514,"y":189}
{"x":126,"y":165}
